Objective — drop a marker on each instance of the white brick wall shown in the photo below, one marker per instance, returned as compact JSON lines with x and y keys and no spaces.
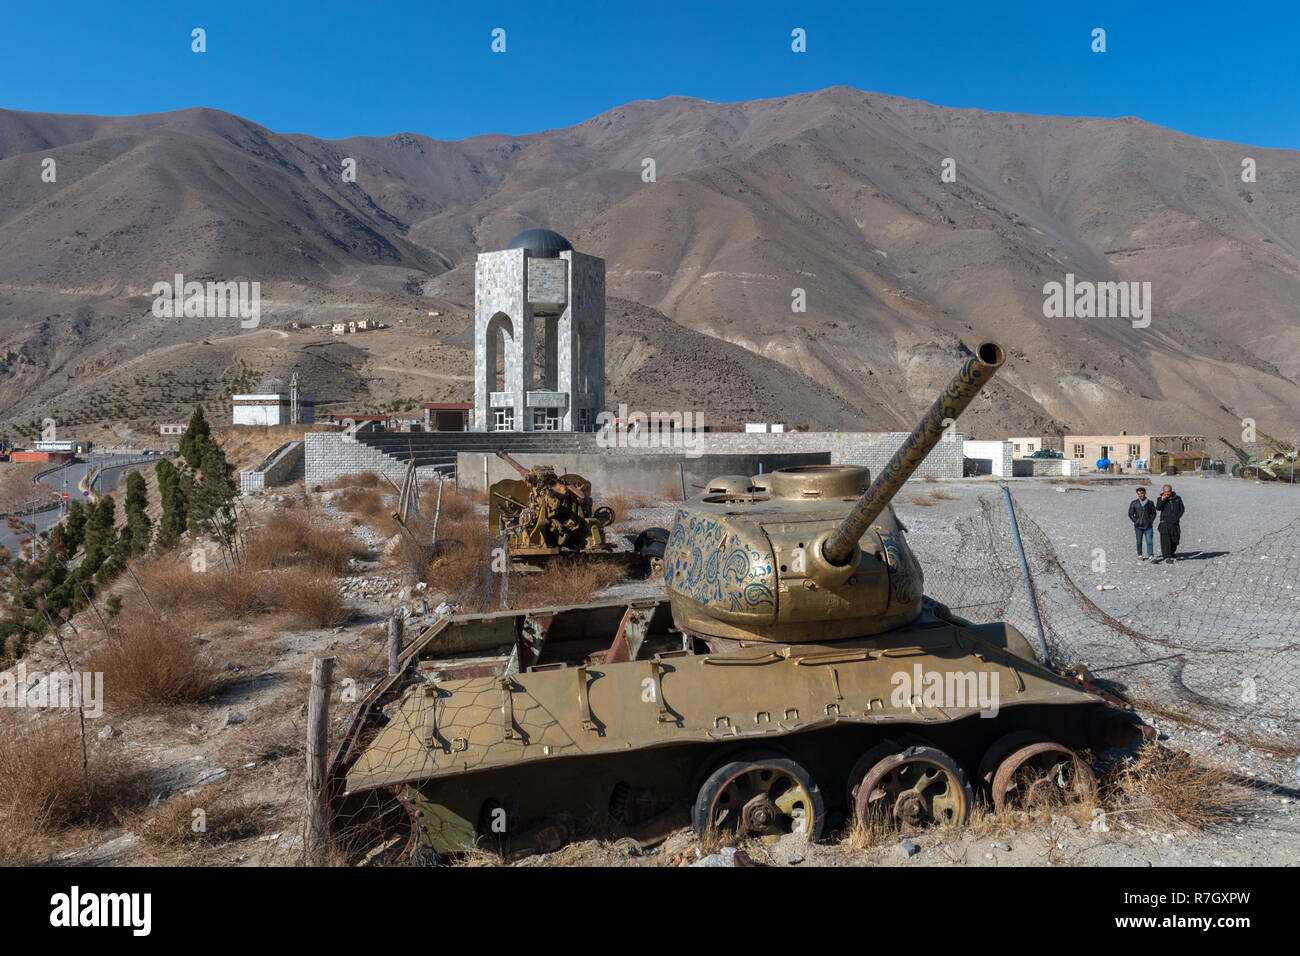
{"x":330,"y":455}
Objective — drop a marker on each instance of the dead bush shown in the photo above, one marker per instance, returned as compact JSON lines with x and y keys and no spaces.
{"x":205,"y":818}
{"x":565,"y":580}
{"x":238,"y":594}
{"x":462,"y":561}
{"x":287,"y":539}
{"x":1168,"y":789}
{"x":42,"y":783}
{"x":455,"y":503}
{"x":311,"y":597}
{"x":368,"y":502}
{"x":146,"y":662}
{"x":923,"y":501}
{"x":366,"y":479}
{"x":168,"y":580}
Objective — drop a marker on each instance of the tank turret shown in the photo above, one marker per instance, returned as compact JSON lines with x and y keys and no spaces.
{"x":811,"y":553}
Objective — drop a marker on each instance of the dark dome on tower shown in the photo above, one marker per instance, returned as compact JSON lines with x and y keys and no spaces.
{"x":541,"y":243}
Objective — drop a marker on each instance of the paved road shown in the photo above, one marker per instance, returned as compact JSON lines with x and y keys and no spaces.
{"x":67,"y":479}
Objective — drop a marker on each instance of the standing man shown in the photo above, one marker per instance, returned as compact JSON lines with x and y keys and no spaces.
{"x":1171,"y":510}
{"x":1143,"y":515}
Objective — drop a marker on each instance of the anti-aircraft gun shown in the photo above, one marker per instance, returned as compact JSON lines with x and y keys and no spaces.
{"x":794,"y":674}
{"x":542,"y":513}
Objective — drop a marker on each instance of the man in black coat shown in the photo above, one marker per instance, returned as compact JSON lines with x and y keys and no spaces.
{"x":1142,"y":512}
{"x":1171,"y":511}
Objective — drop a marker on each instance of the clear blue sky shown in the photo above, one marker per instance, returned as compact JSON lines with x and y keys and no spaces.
{"x":336,"y":68}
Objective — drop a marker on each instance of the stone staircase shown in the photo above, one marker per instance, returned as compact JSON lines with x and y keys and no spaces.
{"x":439,"y":449}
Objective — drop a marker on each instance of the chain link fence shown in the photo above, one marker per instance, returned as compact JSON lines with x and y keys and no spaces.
{"x":1220,"y":651}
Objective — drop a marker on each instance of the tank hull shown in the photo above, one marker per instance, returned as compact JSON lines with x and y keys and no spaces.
{"x":526,"y":729}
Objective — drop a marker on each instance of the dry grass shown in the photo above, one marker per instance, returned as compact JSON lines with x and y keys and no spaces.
{"x":311,"y":597}
{"x":464,"y":558}
{"x":565,"y":580}
{"x":363,"y":664}
{"x":287,"y":539}
{"x":368,"y":502}
{"x":928,"y":479}
{"x":205,"y":818}
{"x":147,"y":663}
{"x":231,"y":593}
{"x":366,"y":479}
{"x":42,"y":784}
{"x":1167,"y":789}
{"x":923,"y":501}
{"x":943,"y":496}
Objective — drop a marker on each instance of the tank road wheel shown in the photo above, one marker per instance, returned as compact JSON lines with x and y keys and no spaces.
{"x":759,"y":794}
{"x":915,"y":787}
{"x":1003,"y":748}
{"x":604,"y":515}
{"x":1040,"y":775}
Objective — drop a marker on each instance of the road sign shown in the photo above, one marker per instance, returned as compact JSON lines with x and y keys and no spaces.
{"x":65,"y":496}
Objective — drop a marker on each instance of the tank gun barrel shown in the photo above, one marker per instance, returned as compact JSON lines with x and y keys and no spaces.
{"x":972,"y":376}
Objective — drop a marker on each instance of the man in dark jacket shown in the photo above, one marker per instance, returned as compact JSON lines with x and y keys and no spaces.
{"x":1143,"y":515}
{"x":1171,"y":510}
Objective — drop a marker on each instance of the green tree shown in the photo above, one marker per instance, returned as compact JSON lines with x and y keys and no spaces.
{"x":212,"y":501}
{"x":138,"y":528}
{"x":100,"y":537}
{"x":74,"y":524}
{"x":197,"y":436}
{"x":174,"y":519}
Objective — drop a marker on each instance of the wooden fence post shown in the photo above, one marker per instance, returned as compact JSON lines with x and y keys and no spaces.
{"x":318,"y":705}
{"x":396,"y":626}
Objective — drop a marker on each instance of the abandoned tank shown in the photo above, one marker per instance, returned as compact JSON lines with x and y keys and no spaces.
{"x":794,"y":679}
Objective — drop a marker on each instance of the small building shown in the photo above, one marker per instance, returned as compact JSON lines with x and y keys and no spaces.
{"x":1024,"y":447}
{"x":447,"y":416}
{"x":42,"y":456}
{"x":1129,"y":451}
{"x":339,"y":328}
{"x":72,"y":445}
{"x":173,"y":429}
{"x":755,"y":428}
{"x":990,"y":457}
{"x":1162,"y":461}
{"x":272,"y":408}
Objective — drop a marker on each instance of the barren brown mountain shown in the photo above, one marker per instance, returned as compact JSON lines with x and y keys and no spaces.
{"x":837,"y":193}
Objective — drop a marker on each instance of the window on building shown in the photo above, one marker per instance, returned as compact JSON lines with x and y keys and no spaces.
{"x":546,"y":420}
{"x":1078,"y":451}
{"x":1135,"y":451}
{"x":1016,"y":446}
{"x":503,"y":419}
{"x":584,"y":420}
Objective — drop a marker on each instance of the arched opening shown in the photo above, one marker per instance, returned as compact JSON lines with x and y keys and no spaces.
{"x":499,"y":359}
{"x":546,"y":350}
{"x":500,"y":338}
